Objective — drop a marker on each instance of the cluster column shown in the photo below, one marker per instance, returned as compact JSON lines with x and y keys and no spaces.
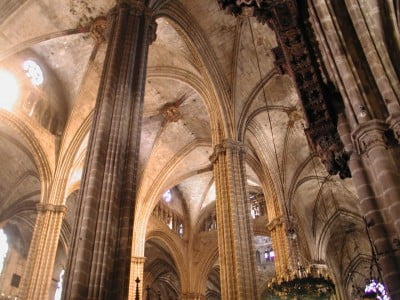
{"x":283,"y":261}
{"x":100,"y":258}
{"x":42,"y":251}
{"x":235,"y":240}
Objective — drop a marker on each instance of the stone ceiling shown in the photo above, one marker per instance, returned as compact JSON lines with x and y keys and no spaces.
{"x":176,"y":133}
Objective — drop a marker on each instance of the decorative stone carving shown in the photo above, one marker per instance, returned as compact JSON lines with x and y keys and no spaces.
{"x":227,"y":144}
{"x":98,"y":29}
{"x":294,"y":57}
{"x":369,"y":135}
{"x":43,"y":207}
{"x":171,"y":113}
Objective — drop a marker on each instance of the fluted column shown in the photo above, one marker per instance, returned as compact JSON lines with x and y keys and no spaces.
{"x":235,"y":241}
{"x":137,"y":268}
{"x":42,"y":252}
{"x":100,"y":260}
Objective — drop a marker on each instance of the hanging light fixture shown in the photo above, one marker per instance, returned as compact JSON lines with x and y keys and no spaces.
{"x":374,"y":288}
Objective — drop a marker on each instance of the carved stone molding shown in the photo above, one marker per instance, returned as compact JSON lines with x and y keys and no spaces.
{"x":98,"y":30}
{"x":227,"y":144}
{"x":394,"y":123}
{"x":275,"y":222}
{"x":138,"y":260}
{"x":44,"y":207}
{"x":369,"y":135}
{"x":171,"y":113}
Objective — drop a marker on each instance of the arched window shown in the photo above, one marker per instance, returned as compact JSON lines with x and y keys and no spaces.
{"x":269,"y":255}
{"x":33,"y":72}
{"x":58,"y":293}
{"x":167,"y":196}
{"x":3,"y":248}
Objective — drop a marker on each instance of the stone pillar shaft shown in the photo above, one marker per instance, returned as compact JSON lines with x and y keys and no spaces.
{"x":283,"y":261}
{"x":137,"y":268}
{"x":100,"y":259}
{"x":371,"y":141}
{"x":42,"y":252}
{"x":235,"y":240}
{"x":380,"y":229}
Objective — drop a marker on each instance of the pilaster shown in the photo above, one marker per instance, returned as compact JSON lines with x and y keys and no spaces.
{"x":235,"y":240}
{"x":42,"y":251}
{"x":100,"y":260}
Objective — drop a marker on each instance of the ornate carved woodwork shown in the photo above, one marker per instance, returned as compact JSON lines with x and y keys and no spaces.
{"x":295,"y":57}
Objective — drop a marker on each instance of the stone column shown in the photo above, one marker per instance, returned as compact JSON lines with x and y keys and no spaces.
{"x":42,"y":251}
{"x":371,"y":142}
{"x":380,"y":228}
{"x":100,"y":258}
{"x":283,"y":261}
{"x":235,"y":240}
{"x":137,"y":268}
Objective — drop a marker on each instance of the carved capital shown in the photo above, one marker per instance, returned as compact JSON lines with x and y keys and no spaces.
{"x":138,"y":260}
{"x":229,"y":145}
{"x":45,"y":207}
{"x":274,"y":223}
{"x":135,"y":7}
{"x":369,"y":135}
{"x":394,"y":123}
{"x":98,"y":29}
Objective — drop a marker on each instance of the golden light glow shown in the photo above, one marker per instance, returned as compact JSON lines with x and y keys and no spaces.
{"x":9,"y":90}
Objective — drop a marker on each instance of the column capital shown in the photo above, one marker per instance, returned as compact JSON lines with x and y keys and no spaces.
{"x":227,"y":144}
{"x":136,"y":7}
{"x":369,"y":135}
{"x":98,"y":29}
{"x":394,"y":123}
{"x":275,"y":222}
{"x":44,"y":207}
{"x":138,"y":259}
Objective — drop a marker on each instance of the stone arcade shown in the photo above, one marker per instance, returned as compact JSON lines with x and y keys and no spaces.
{"x":198,"y":149}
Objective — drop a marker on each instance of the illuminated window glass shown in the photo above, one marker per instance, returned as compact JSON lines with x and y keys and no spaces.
{"x":3,"y":248}
{"x":167,"y":196}
{"x":376,"y":288}
{"x":33,"y":71}
{"x":181,"y":229}
{"x":58,"y":294}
